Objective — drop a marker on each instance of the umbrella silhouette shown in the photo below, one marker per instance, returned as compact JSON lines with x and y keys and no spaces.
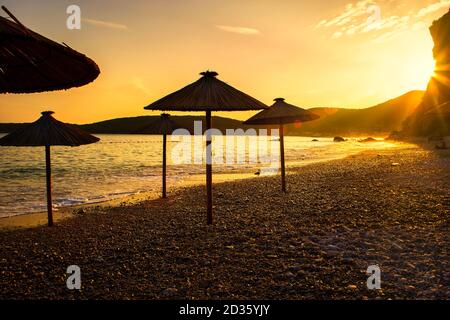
{"x":163,"y":126}
{"x":281,"y":113}
{"x":47,"y":131}
{"x":30,"y":62}
{"x":207,"y":94}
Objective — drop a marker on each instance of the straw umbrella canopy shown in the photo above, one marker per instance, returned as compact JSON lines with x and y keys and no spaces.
{"x":163,"y":126}
{"x":47,"y":131}
{"x":281,"y":113}
{"x":207,"y":94}
{"x":30,"y":62}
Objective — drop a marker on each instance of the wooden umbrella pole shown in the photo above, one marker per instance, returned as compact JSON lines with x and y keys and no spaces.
{"x":164,"y":166}
{"x":209,"y":216}
{"x":283,"y":171}
{"x":48,"y":170}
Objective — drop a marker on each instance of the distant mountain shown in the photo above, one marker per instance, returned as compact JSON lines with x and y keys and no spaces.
{"x":432,"y":116}
{"x":378,"y":120}
{"x":140,"y":124}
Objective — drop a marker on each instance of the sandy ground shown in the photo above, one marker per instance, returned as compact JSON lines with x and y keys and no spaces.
{"x":387,"y":208}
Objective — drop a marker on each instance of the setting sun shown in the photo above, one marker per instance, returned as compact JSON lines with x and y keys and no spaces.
{"x":317,"y":54}
{"x":225,"y":155}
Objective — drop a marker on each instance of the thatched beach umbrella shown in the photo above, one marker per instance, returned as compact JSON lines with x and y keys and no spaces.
{"x":207,"y":94}
{"x":30,"y":62}
{"x":163,"y":126}
{"x":281,"y":113}
{"x":47,"y":131}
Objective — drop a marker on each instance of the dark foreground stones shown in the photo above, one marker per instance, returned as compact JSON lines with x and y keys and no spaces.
{"x":315,"y":242}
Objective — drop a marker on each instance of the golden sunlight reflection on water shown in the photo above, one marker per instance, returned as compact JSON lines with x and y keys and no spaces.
{"x":121,"y":165}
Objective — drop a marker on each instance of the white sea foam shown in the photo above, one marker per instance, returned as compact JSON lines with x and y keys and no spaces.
{"x":121,"y":165}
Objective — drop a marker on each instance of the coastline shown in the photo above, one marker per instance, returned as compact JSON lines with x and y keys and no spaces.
{"x":315,"y":242}
{"x":35,"y":219}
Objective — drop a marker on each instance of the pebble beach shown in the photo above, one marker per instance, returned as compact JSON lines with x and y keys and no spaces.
{"x":388,"y":208}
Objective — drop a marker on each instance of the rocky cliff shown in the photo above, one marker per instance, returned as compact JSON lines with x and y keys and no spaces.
{"x":432,"y":116}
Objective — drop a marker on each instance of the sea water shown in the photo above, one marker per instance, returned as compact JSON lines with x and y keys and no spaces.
{"x":121,"y":165}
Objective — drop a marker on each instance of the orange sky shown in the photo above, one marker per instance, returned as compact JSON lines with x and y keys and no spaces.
{"x":314,"y":53}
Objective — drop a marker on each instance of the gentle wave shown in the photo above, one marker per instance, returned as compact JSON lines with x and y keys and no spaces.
{"x":121,"y":165}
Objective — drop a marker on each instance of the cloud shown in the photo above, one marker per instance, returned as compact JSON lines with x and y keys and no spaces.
{"x":367,"y":17}
{"x":433,"y":8}
{"x":239,"y":30}
{"x":389,"y":35}
{"x":351,"y":12}
{"x":104,"y":24}
{"x":139,"y":84}
{"x":337,"y":35}
{"x":360,"y":17}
